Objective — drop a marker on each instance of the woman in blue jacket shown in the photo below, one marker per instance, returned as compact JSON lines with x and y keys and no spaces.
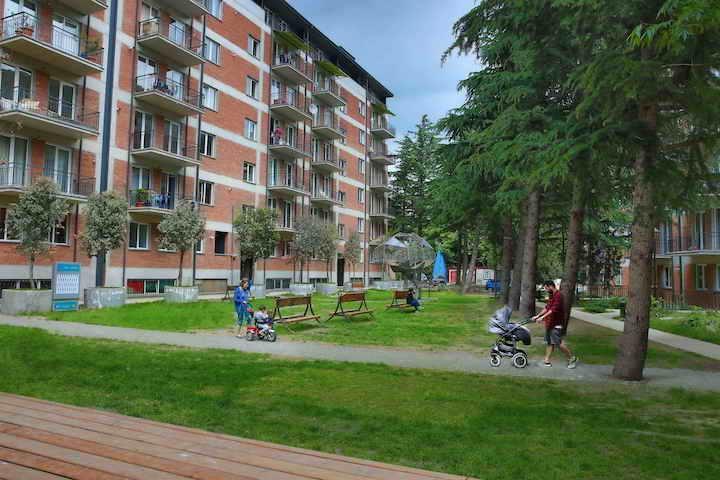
{"x":242,"y":297}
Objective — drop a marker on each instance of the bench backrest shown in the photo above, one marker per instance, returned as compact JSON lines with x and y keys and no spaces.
{"x":352,"y":297}
{"x":400,"y":293}
{"x":292,"y":301}
{"x":357,"y":284}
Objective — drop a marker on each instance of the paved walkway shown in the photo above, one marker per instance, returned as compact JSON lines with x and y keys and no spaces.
{"x":404,"y":358}
{"x":42,"y":440}
{"x":607,"y":320}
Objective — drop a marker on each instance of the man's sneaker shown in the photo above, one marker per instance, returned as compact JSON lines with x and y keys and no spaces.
{"x":547,"y":364}
{"x":572,"y":363}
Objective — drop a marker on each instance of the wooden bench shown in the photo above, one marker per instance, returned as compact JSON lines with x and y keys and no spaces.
{"x":399,"y":300}
{"x":230,"y":292}
{"x":282,"y":302}
{"x":357,"y":285}
{"x":361,"y":309}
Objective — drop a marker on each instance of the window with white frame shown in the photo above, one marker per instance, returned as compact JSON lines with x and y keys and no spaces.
{"x":361,"y":225}
{"x":249,"y":172}
{"x":343,"y":107}
{"x":362,"y":108}
{"x":341,"y":230}
{"x":250,"y":129}
{"x":343,"y":166}
{"x":361,"y":195}
{"x":205,"y":192}
{"x":363,"y":138}
{"x":341,"y":196}
{"x":700,"y":277}
{"x":221,"y":242}
{"x":59,"y":233}
{"x":210,"y":97}
{"x":253,"y":46}
{"x":211,"y":50}
{"x":361,"y":166}
{"x":207,"y":144}
{"x":200,"y":247}
{"x":666,"y":277}
{"x":252,"y":87}
{"x":4,"y":226}
{"x":215,"y":7}
{"x":343,"y":138}
{"x":139,"y":236}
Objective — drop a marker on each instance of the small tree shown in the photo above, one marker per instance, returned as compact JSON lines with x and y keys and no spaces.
{"x":181,"y":230}
{"x":353,"y":251}
{"x":327,"y":247}
{"x":105,"y":225}
{"x":256,"y":234}
{"x":33,"y":217}
{"x":308,"y":236}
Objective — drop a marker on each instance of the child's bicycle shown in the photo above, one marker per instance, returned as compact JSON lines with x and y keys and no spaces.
{"x":264,"y":331}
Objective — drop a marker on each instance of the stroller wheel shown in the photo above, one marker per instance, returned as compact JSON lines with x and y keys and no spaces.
{"x":519,"y":360}
{"x":495,"y":360}
{"x":271,"y":336}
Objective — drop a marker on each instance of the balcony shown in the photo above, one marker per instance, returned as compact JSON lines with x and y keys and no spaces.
{"x":288,"y":148}
{"x":380,"y":212}
{"x":165,"y":152}
{"x":49,"y":116}
{"x":290,"y":107}
{"x":150,"y":206}
{"x":189,"y":8}
{"x":379,"y":182}
{"x":326,"y":160}
{"x":327,"y":91}
{"x":285,"y":226}
{"x":382,"y":129}
{"x":15,"y":178}
{"x":379,"y":154}
{"x":283,"y":184}
{"x":327,"y":125}
{"x":172,"y":41}
{"x":167,"y":95}
{"x":292,"y":68}
{"x":705,"y":244}
{"x":86,"y":7}
{"x":324,"y":197}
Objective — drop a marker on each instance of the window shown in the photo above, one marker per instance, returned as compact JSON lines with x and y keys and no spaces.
{"x":361,"y":195}
{"x":700,"y":277}
{"x":717,"y":277}
{"x":343,"y":132}
{"x":4,"y":230}
{"x":343,"y":108}
{"x":341,"y":197}
{"x":253,"y":46}
{"x":252,"y":88}
{"x":148,"y":287}
{"x":249,"y":172}
{"x":362,"y":137}
{"x":341,"y":230}
{"x":666,"y":277}
{"x":361,"y":225}
{"x":343,"y":166}
{"x":200,"y":247}
{"x":205,"y":192}
{"x":220,"y":241}
{"x":361,"y":166}
{"x":250,"y":129}
{"x":139,"y":236}
{"x":277,"y":283}
{"x":246,"y":208}
{"x":215,"y":7}
{"x":207,"y":144}
{"x":211,"y":51}
{"x":210,"y":97}
{"x":59,"y":233}
{"x":362,"y":108}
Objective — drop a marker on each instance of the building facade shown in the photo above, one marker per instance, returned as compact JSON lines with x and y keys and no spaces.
{"x":230,"y":104}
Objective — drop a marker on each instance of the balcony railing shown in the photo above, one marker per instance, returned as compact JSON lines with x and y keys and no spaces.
{"x":160,"y":83}
{"x":321,"y":193}
{"x":326,"y":119}
{"x":69,"y":183}
{"x":710,"y":241}
{"x":28,"y":25}
{"x":172,"y":144}
{"x":323,"y":156}
{"x":290,"y":100}
{"x":279,"y":140}
{"x":383,"y":124}
{"x":327,"y":85}
{"x":282,"y":179}
{"x":23,"y":99}
{"x":379,"y":179}
{"x":178,"y":34}
{"x":142,"y":198}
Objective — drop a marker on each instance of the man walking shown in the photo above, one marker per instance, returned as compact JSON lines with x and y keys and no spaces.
{"x":553,"y":315}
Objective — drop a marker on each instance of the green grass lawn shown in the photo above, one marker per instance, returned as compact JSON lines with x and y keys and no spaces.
{"x":448,"y":321}
{"x":481,"y":426}
{"x":698,"y":324}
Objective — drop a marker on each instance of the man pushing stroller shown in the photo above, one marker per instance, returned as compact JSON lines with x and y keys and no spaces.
{"x":553,"y":316}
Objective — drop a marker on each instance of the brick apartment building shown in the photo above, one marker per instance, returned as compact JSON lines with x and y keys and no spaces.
{"x":233,"y":104}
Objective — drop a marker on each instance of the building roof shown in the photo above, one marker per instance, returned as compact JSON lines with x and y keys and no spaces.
{"x":334,"y":53}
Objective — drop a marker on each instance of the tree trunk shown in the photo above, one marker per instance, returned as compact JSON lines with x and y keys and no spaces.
{"x":465,"y":260}
{"x":632,"y":345}
{"x":473,"y":260}
{"x":32,"y":272}
{"x":574,"y":244}
{"x":593,"y":271}
{"x":507,"y":253}
{"x":516,"y":281}
{"x":529,"y":270}
{"x":180,"y":270}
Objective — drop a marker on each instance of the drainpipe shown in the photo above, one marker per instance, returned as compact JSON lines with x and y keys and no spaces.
{"x":196,"y":190}
{"x":101,"y":262}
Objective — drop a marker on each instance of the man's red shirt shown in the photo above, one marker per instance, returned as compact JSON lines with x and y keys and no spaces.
{"x":556,"y":307}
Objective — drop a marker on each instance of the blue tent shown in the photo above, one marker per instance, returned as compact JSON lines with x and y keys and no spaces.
{"x":440,"y":270}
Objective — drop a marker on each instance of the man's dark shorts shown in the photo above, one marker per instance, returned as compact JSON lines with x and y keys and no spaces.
{"x":553,"y":336}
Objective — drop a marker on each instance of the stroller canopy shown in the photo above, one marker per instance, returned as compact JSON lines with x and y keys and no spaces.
{"x":500,"y":321}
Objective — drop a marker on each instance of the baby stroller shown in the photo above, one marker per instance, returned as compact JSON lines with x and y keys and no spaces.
{"x":509,"y":334}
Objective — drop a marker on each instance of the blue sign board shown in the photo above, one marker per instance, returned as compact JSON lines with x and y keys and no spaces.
{"x":65,"y":305}
{"x":66,"y":286}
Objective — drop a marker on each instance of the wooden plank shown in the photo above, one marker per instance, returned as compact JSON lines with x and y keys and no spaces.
{"x":352,"y":297}
{"x":49,"y":465}
{"x":292,"y":301}
{"x":299,"y":319}
{"x":10,"y":471}
{"x":400,"y":293}
{"x":210,"y":443}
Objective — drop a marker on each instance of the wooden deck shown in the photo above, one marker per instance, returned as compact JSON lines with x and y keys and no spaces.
{"x":42,"y":440}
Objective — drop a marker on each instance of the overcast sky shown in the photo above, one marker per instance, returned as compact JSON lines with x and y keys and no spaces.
{"x":400,"y":43}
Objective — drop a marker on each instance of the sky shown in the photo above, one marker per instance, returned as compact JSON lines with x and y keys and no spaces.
{"x":400,"y":42}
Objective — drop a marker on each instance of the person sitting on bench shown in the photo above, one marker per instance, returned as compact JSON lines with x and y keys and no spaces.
{"x":411,"y":300}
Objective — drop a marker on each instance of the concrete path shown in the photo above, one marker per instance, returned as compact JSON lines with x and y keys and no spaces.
{"x":445,"y":360}
{"x":607,"y":320}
